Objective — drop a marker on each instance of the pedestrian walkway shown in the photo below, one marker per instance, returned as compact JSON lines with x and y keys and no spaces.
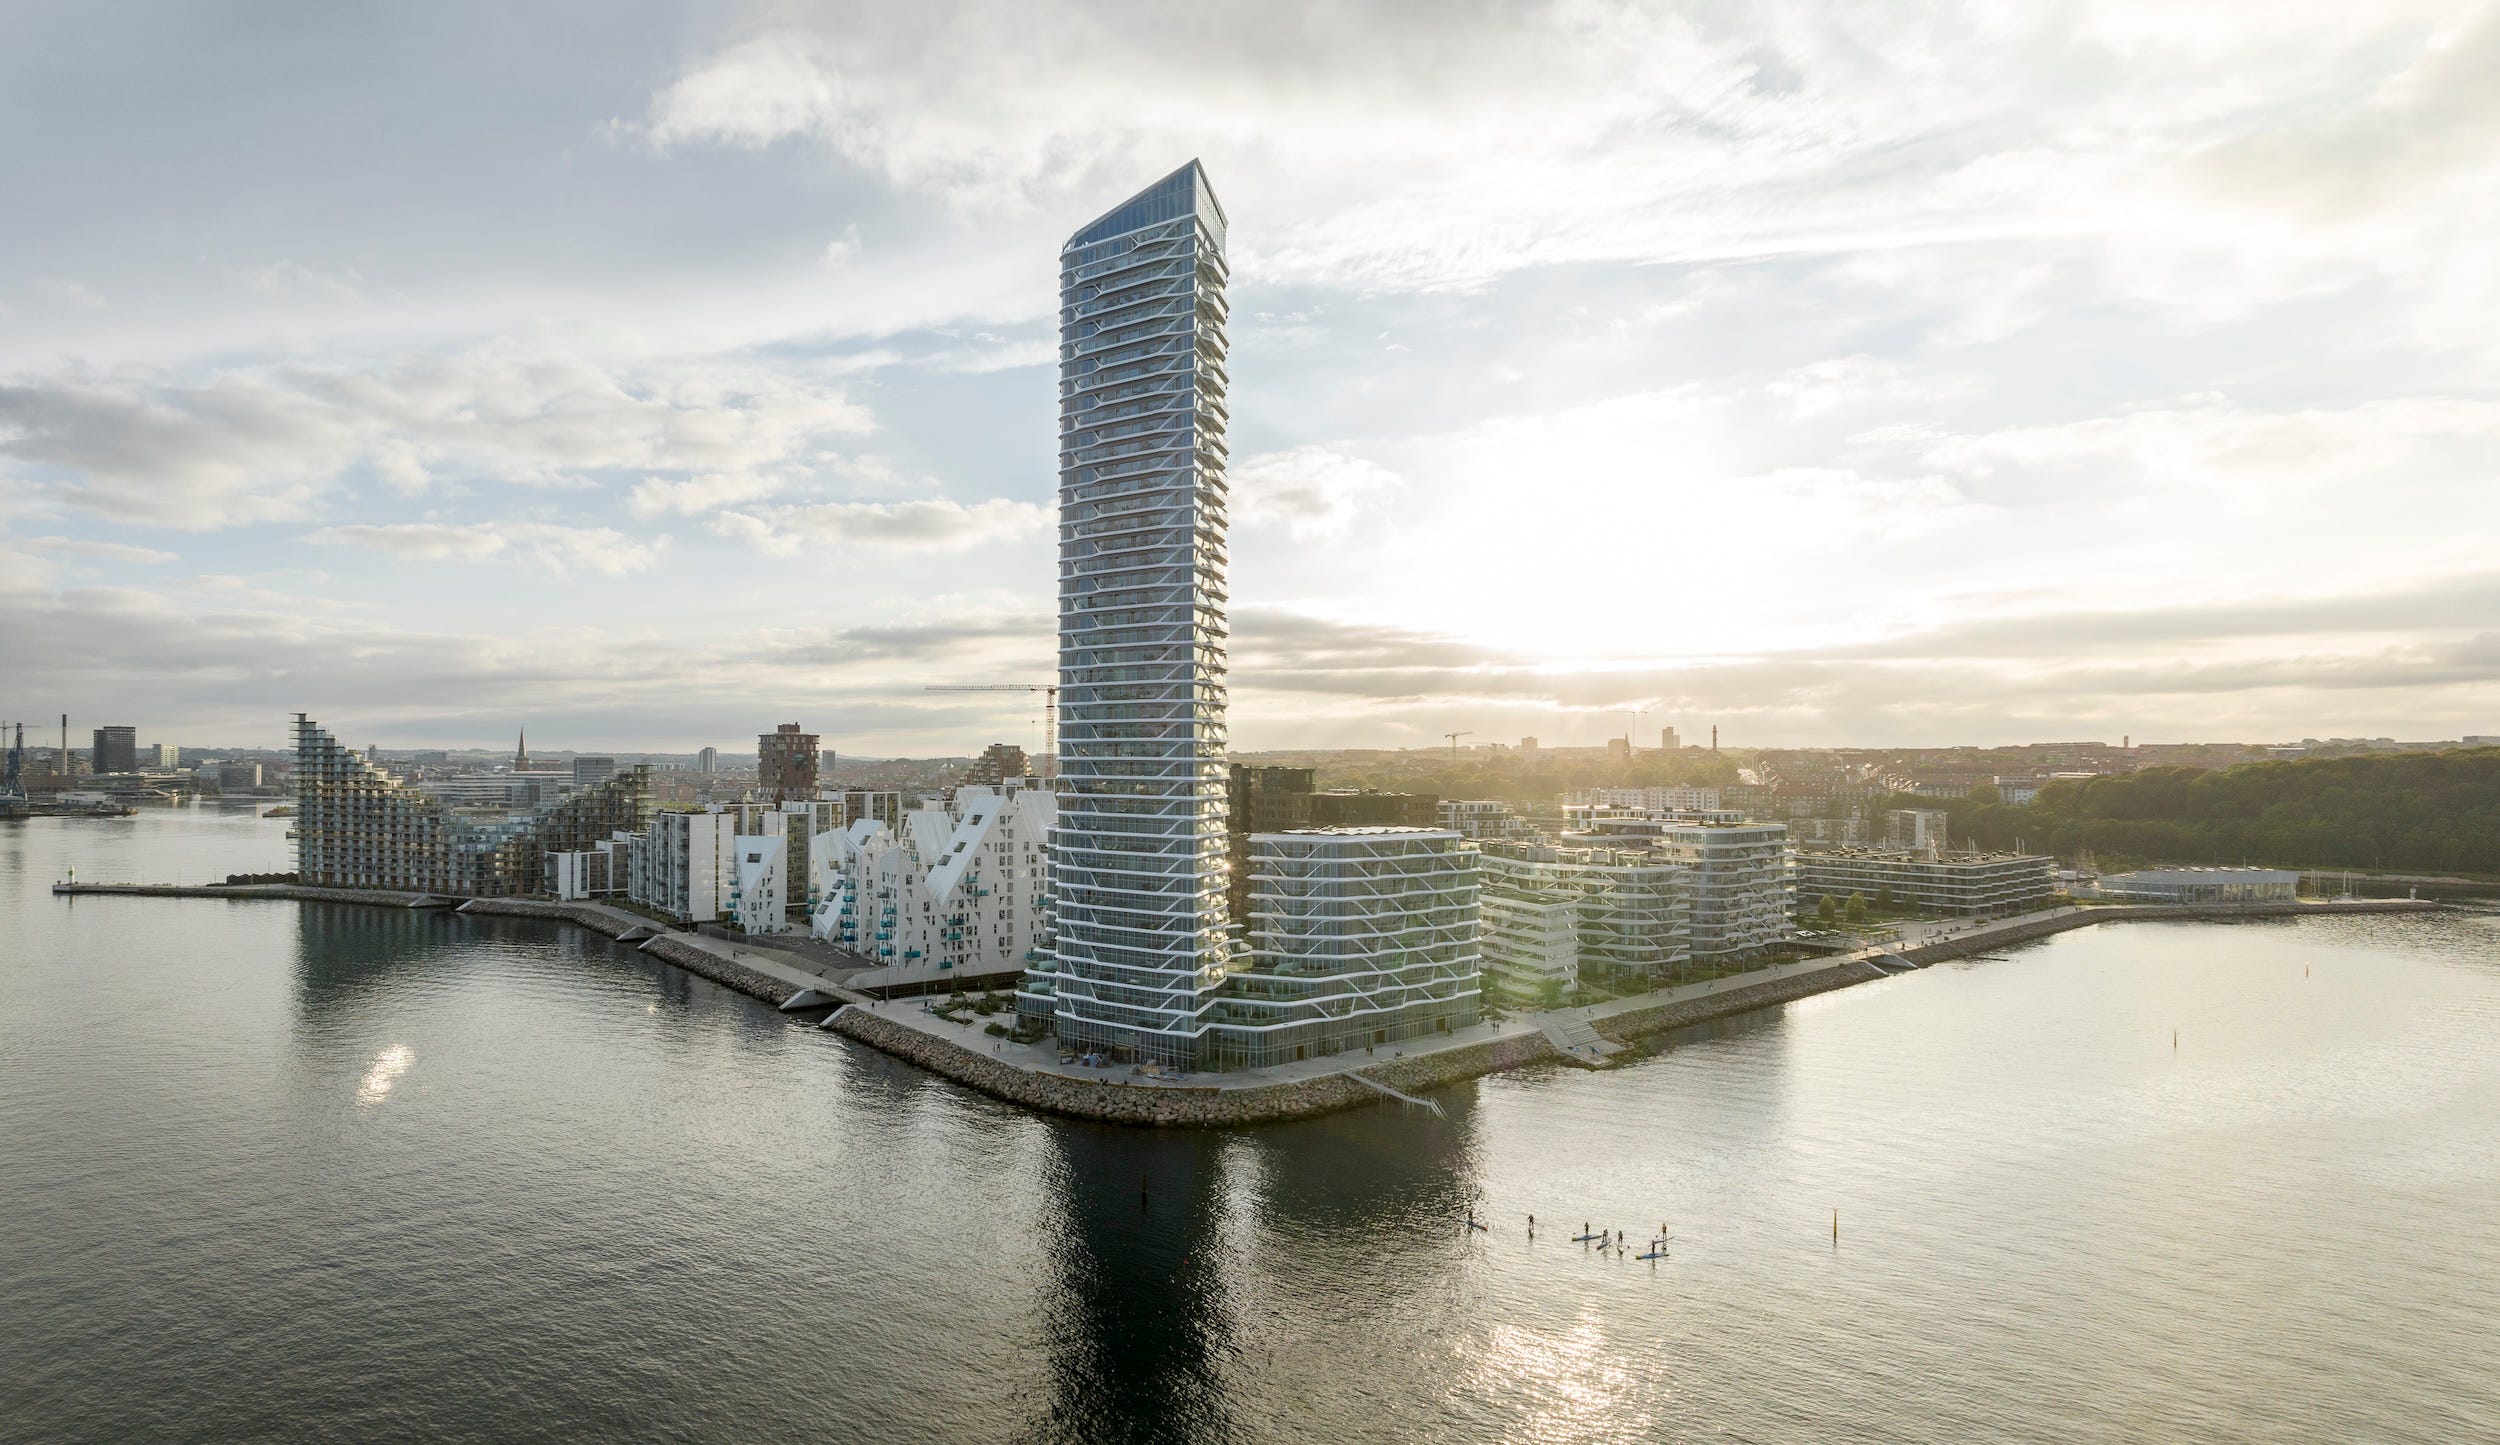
{"x":772,"y":964}
{"x":1571,"y":1030}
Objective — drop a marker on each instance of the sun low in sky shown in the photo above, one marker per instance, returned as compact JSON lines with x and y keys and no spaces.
{"x":1832,"y":373}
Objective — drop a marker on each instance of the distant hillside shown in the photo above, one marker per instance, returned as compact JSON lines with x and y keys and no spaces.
{"x":1532,"y":780}
{"x":2434,"y":811}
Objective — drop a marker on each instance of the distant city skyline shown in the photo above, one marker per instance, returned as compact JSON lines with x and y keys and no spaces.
{"x":1830,"y":377}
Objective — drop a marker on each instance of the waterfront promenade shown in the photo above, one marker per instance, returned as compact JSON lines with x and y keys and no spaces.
{"x":1038,"y":1076}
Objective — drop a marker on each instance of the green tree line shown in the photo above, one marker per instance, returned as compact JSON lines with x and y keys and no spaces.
{"x":2399,"y":812}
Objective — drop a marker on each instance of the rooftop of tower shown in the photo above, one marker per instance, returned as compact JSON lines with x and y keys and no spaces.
{"x":1176,"y":195}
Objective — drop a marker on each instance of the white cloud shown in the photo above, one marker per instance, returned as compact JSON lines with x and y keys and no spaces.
{"x":1599,"y":350}
{"x":103,"y":551}
{"x":934,"y":524}
{"x":280,"y":278}
{"x":1857,"y":383}
{"x":265,"y":444}
{"x":751,"y":94}
{"x":2235,"y":455}
{"x":76,"y":294}
{"x":656,"y":496}
{"x":1311,"y":491}
{"x":1531,"y":136}
{"x":557,"y":549}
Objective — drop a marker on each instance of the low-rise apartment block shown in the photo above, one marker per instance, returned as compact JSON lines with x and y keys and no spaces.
{"x":1624,"y":908}
{"x":1531,"y":942}
{"x":680,"y":866}
{"x":1736,"y":887}
{"x":1647,"y":800}
{"x":1478,"y":819}
{"x":1928,"y":880}
{"x":1360,"y":937}
{"x":1280,"y":799}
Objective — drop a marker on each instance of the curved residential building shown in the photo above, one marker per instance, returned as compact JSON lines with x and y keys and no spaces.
{"x":1138,"y":858}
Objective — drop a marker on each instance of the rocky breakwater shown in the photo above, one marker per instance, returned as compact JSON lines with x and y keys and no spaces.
{"x":1770,"y":993}
{"x":597,"y":920}
{"x":722,"y":971}
{"x":668,"y":948}
{"x":1172,"y":1105}
{"x":1444,"y":1067}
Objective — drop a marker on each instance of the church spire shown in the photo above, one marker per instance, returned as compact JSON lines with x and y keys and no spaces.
{"x":521,"y":754}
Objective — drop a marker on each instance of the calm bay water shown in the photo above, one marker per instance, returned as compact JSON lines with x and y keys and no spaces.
{"x":270,"y":1169}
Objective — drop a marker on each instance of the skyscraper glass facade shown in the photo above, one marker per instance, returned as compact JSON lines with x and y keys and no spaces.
{"x":1138,"y":859}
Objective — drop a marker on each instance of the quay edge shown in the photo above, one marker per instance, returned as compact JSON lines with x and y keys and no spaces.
{"x":1201,"y":1106}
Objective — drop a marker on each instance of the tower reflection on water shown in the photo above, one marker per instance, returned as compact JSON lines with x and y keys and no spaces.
{"x":1183,"y":1260}
{"x":1141,"y":1337}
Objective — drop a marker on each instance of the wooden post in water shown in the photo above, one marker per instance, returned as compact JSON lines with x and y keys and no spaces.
{"x":1835,"y":1229}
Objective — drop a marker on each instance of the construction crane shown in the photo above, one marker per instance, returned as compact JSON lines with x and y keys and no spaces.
{"x":1050,"y":713}
{"x":1454,"y":737}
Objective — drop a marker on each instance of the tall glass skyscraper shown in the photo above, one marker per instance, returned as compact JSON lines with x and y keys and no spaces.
{"x":1138,"y":858}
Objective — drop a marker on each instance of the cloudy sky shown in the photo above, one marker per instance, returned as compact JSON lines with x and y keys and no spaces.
{"x":650,"y":374}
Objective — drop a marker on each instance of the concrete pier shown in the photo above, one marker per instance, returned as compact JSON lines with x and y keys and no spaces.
{"x":294,"y":892}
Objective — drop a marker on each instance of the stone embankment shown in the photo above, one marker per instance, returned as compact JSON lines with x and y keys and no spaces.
{"x":607,"y":923}
{"x":667,"y":948}
{"x":1109,"y":1100}
{"x":1990,"y":937}
{"x":725,"y":972}
{"x":1181,"y":1106}
{"x":1684,"y":1013}
{"x":1441,"y":1069}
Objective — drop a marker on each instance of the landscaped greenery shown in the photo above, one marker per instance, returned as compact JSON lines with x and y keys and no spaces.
{"x":2403,"y":811}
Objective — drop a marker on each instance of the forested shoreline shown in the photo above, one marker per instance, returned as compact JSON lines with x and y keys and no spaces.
{"x":2404,"y":811}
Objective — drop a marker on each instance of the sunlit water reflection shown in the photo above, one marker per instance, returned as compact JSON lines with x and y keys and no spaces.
{"x":279,"y":1170}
